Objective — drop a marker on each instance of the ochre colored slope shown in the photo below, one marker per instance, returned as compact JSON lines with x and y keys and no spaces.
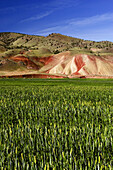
{"x":81,"y":64}
{"x":29,"y":64}
{"x":43,"y":60}
{"x":39,"y":56}
{"x":64,"y":65}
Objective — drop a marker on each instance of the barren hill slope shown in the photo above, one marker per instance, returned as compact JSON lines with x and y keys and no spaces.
{"x":79,"y":64}
{"x":54,"y":55}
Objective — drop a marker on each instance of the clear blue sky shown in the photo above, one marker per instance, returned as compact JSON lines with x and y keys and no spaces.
{"x":87,"y":19}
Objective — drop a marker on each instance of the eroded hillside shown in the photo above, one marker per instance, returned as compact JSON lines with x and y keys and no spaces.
{"x":54,"y":56}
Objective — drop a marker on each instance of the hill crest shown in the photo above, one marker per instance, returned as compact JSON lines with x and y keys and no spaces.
{"x":30,"y":53}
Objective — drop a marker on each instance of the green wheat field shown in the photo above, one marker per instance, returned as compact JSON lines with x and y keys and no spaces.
{"x":56,"y":124}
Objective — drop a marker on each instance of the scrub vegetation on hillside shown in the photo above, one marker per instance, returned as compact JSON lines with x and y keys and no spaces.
{"x":28,"y":54}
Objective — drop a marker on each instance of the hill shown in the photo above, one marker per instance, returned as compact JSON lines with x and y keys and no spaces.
{"x":54,"y":55}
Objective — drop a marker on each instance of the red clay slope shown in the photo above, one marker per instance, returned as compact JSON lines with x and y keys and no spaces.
{"x":29,"y":64}
{"x":67,"y":65}
{"x":82,"y":64}
{"x":43,"y":60}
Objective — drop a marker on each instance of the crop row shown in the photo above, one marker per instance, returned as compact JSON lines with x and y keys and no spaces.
{"x":56,"y":127}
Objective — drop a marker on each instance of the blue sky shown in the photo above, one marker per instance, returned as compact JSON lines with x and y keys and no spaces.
{"x":86,"y":19}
